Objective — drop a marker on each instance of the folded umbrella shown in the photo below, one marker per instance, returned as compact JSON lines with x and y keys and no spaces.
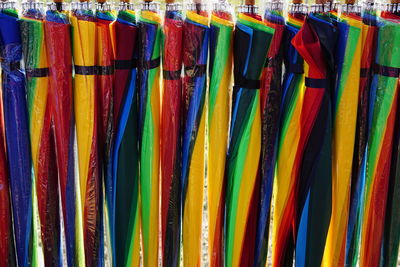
{"x":86,"y":109}
{"x":149,"y":120}
{"x":195,"y":53}
{"x":251,"y":43}
{"x":220,"y":73}
{"x":270,"y":97}
{"x":316,"y":43}
{"x":126,"y":153}
{"x":368,"y":47}
{"x":287,"y":161}
{"x":171,"y":144}
{"x":345,"y":108}
{"x":16,"y":131}
{"x":384,"y":95}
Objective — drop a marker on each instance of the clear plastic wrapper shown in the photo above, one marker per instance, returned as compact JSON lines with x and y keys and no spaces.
{"x":171,"y":145}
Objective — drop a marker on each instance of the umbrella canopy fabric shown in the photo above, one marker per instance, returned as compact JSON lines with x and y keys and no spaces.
{"x":60,"y":100}
{"x":289,"y":137}
{"x":126,"y":153}
{"x":195,"y":53}
{"x":42,"y":146}
{"x":86,"y":110}
{"x":220,"y":73}
{"x":105,"y":97}
{"x":16,"y":132}
{"x":344,"y":129}
{"x":315,"y":42}
{"x":368,"y":46}
{"x":270,"y":97}
{"x":251,"y":44}
{"x":384,"y":95}
{"x":149,"y":139}
{"x":171,"y":144}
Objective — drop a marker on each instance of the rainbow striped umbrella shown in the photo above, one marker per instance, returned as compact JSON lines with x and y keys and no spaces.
{"x":16,"y":131}
{"x":270,"y":97}
{"x":287,"y":160}
{"x":86,"y":109}
{"x":126,"y":153}
{"x":316,"y":43}
{"x":251,"y":43}
{"x":149,"y":110}
{"x":345,"y":107}
{"x":195,"y":52}
{"x":221,"y":49}
{"x":383,"y":112}
{"x":171,"y":136}
{"x":368,"y":42}
{"x":60,"y":99}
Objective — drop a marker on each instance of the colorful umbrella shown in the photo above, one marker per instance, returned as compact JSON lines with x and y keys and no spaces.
{"x":195,"y":52}
{"x":149,"y":110}
{"x":171,"y":136}
{"x":251,"y":43}
{"x":86,"y":109}
{"x":345,"y":106}
{"x":60,"y":100}
{"x":220,"y":72}
{"x":368,"y":41}
{"x":270,"y":98}
{"x":316,"y":43}
{"x":384,"y":95}
{"x":283,"y":235}
{"x":126,"y":153}
{"x":16,"y":131}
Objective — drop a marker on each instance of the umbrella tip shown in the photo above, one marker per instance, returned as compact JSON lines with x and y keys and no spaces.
{"x":350,"y":2}
{"x":169,"y":1}
{"x":250,"y":2}
{"x":297,"y":2}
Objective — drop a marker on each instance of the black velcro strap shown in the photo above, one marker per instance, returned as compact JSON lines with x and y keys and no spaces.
{"x":196,"y":70}
{"x":316,"y":83}
{"x":104,"y":70}
{"x":172,"y":75}
{"x":85,"y":70}
{"x":37,"y":72}
{"x":15,"y":65}
{"x":387,"y":71}
{"x":151,"y":64}
{"x":125,"y":64}
{"x":296,"y":68}
{"x":364,"y":72}
{"x":242,"y":82}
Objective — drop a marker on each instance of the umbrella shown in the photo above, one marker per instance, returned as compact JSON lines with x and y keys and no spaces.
{"x":16,"y":131}
{"x":251,"y":43}
{"x":104,"y":85}
{"x":384,"y":95}
{"x":171,"y":136}
{"x":287,"y":161}
{"x":86,"y":108}
{"x":221,"y":48}
{"x":45,"y":182}
{"x":316,"y":43}
{"x":60,"y":100}
{"x":344,"y":116}
{"x":368,"y":41}
{"x":149,"y":110}
{"x":270,"y":98}
{"x":126,"y":154}
{"x":195,"y":52}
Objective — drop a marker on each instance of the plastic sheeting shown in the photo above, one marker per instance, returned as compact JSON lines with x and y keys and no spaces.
{"x":16,"y":132}
{"x":171,"y":144}
{"x":251,"y":43}
{"x":383,"y":109}
{"x":195,"y":53}
{"x":220,"y":73}
{"x":126,"y":153}
{"x":149,"y":135}
{"x":87,"y":123}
